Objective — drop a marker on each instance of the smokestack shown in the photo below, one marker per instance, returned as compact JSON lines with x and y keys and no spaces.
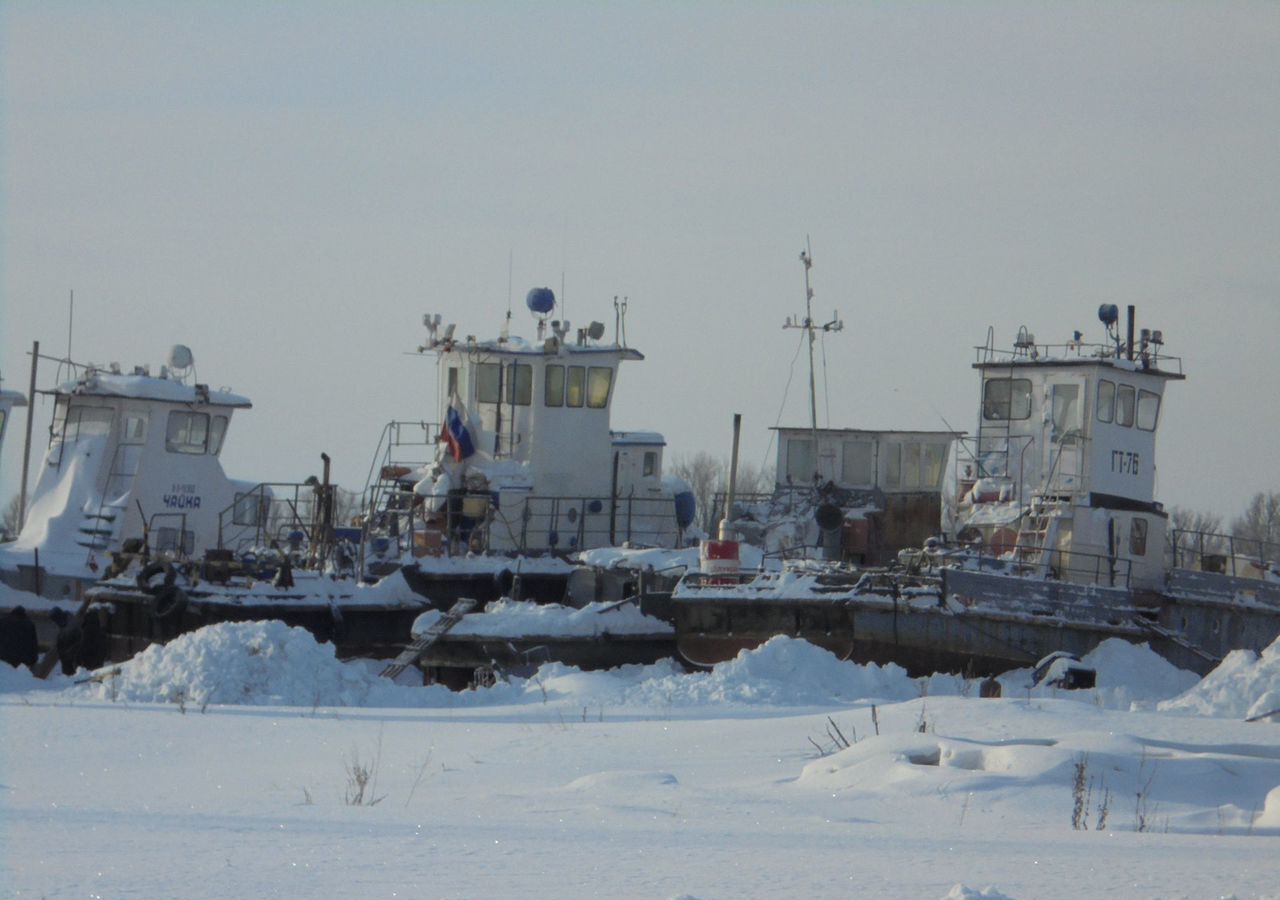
{"x":1130,"y":340}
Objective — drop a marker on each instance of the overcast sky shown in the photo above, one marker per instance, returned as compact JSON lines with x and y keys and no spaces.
{"x":287,"y":188}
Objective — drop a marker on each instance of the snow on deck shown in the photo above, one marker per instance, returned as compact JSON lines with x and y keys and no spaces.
{"x":512,"y":619}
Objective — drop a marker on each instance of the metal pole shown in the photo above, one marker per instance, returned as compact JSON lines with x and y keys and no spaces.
{"x":807,"y":259}
{"x":725,"y":532}
{"x":26,"y":449}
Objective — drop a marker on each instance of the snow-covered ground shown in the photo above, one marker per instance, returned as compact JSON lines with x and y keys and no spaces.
{"x":225,"y":764}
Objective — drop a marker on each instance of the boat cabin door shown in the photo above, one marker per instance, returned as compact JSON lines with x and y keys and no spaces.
{"x":1064,"y":438}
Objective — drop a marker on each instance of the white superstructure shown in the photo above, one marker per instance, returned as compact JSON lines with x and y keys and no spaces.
{"x":528,"y":462}
{"x":130,"y":455}
{"x":1062,"y":470}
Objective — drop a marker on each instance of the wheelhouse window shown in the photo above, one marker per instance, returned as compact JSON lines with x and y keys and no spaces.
{"x":86,"y":422}
{"x":520,"y":384}
{"x":1106,"y":401}
{"x":599,"y":380}
{"x":575,"y":387}
{"x":553,"y":391}
{"x":1138,"y":537}
{"x":1066,"y":411}
{"x":1006,"y":398}
{"x":135,"y":429}
{"x":1124,"y":405}
{"x":801,"y":462}
{"x":650,"y":463}
{"x":488,"y":383}
{"x":217,"y":431}
{"x":1148,"y":410}
{"x":187,"y":432}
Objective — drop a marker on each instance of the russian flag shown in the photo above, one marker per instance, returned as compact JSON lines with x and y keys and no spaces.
{"x":455,"y":434}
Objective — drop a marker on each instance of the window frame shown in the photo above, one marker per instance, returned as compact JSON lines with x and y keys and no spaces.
{"x":553,"y":386}
{"x":847,"y":456}
{"x":1138,"y":530}
{"x":519,"y":384}
{"x":996,"y":409}
{"x":575,"y":386}
{"x":188,"y":447}
{"x":794,"y":445}
{"x":217,"y":433}
{"x":1124,"y":391}
{"x":1143,"y":407}
{"x":489,"y":383}
{"x":1106,"y":412}
{"x":596,"y":375}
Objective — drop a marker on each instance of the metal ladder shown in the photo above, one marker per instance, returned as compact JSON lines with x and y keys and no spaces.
{"x":414,"y":651}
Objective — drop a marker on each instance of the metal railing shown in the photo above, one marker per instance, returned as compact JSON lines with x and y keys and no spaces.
{"x":569,"y":523}
{"x":1026,"y":351}
{"x":1224,"y":554}
{"x":1054,"y":563}
{"x":991,"y":456}
{"x":279,"y":514}
{"x":473,"y":522}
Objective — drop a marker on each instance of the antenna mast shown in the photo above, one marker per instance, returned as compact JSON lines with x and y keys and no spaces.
{"x":808,"y":325}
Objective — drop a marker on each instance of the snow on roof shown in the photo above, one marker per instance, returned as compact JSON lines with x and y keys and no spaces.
{"x":638,"y":437}
{"x":518,"y":346}
{"x":148,"y":387}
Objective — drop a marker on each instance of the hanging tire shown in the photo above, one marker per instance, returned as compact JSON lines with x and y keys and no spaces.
{"x":149,"y":572}
{"x":168,"y":603}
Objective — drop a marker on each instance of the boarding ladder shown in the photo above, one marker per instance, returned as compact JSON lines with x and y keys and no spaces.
{"x":1037,"y":537}
{"x":412,"y":653}
{"x":100,"y":523}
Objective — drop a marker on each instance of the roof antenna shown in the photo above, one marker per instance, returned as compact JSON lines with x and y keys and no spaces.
{"x":71,"y":317}
{"x":806,"y":257}
{"x":506,"y":326}
{"x":564,"y":254}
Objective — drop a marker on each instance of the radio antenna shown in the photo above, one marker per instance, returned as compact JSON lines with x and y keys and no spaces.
{"x":806,"y":257}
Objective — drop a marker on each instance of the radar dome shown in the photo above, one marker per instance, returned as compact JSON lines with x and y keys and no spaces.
{"x":541,"y":301}
{"x":1108,"y":314}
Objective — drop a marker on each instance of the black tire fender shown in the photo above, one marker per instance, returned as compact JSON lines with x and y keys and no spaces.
{"x":150,"y":571}
{"x":168,"y":602}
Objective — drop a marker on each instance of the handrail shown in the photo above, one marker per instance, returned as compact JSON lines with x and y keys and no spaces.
{"x":1103,"y":569}
{"x":278,"y":508}
{"x":1070,"y":351}
{"x":1215,"y":552}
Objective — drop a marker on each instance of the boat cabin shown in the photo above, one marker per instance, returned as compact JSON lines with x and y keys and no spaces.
{"x":130,"y":455}
{"x":895,"y":462}
{"x":529,"y":462}
{"x":889,"y":484}
{"x":1063,"y":464}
